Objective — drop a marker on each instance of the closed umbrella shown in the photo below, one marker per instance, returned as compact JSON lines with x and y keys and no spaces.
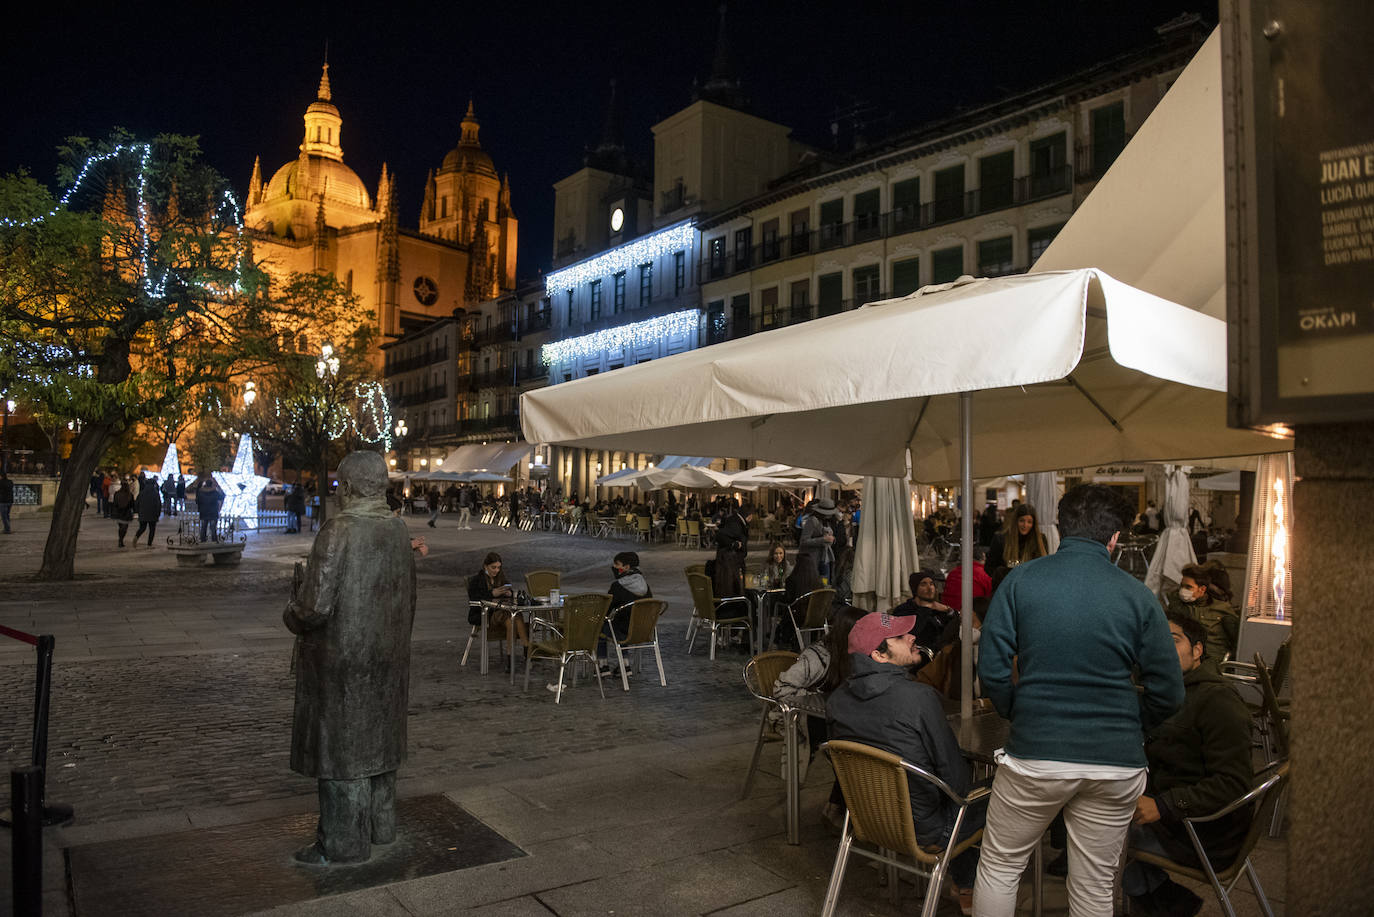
{"x":1174,"y":551}
{"x":885,"y":553}
{"x":1042,"y":492}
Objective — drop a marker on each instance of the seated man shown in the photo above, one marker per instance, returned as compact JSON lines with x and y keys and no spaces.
{"x":629,"y":584}
{"x":932,"y":628}
{"x":1199,"y":762}
{"x":1204,"y":594}
{"x":954,"y":580}
{"x":879,"y":705}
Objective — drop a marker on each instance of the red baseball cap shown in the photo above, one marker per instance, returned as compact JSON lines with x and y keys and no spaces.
{"x":872,"y":629}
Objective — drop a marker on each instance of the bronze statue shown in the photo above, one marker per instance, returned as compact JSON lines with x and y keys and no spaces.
{"x":352,"y":607}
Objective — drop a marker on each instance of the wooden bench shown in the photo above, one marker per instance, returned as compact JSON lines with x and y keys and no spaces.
{"x":224,"y":553}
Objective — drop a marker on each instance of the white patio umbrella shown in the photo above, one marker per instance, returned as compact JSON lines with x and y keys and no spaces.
{"x":780,"y":475}
{"x":885,"y":552}
{"x":1174,"y":550}
{"x":1042,"y":492}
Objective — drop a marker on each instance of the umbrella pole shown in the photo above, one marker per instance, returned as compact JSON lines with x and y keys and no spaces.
{"x":966,"y":555}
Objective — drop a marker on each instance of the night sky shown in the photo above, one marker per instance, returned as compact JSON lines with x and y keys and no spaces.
{"x":538,"y":73}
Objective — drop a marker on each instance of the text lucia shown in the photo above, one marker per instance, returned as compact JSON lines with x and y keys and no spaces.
{"x":1356,"y":174}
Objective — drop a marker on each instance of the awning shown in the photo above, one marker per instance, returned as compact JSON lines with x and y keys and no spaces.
{"x":498,"y":457}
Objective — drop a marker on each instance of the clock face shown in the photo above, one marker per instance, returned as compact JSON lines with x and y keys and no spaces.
{"x":617,"y":219}
{"x":426,"y":291}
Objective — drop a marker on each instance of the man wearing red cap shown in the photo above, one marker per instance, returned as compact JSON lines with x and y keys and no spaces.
{"x":880,"y":705}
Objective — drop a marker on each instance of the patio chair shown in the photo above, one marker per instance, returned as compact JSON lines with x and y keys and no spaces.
{"x":642,"y":635}
{"x":643,"y":528}
{"x":706,"y":612}
{"x":583,"y":617}
{"x":695,"y":568}
{"x":761,"y":677}
{"x":476,"y":629}
{"x":878,"y":797}
{"x":1264,"y":796}
{"x":539,"y":582}
{"x":691,"y":533}
{"x":815,"y":610}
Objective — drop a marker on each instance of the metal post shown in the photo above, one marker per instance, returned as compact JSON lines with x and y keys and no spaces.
{"x":41,"y":694}
{"x":26,"y":800}
{"x":966,"y":554}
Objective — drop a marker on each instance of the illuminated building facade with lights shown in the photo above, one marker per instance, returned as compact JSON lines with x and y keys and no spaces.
{"x":316,"y":214}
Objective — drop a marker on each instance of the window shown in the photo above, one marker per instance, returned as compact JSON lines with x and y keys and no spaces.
{"x":646,"y":283}
{"x":949,"y":194}
{"x":715,"y":321}
{"x":1108,"y":127}
{"x":995,"y":177}
{"x":768,"y":307}
{"x":1037,"y":240}
{"x":594,"y":312}
{"x":947,"y":264}
{"x":679,"y":272}
{"x":618,"y":293}
{"x":744,"y":238}
{"x":830,"y":293}
{"x":832,"y":223}
{"x":572,"y":308}
{"x":906,"y":276}
{"x":716,"y":253}
{"x":800,"y":235}
{"x":906,"y":205}
{"x":801,"y":300}
{"x":739,"y":316}
{"x":866,"y":212}
{"x":995,"y":257}
{"x":443,"y":206}
{"x":771,"y":249}
{"x":1048,"y":156}
{"x":866,"y":283}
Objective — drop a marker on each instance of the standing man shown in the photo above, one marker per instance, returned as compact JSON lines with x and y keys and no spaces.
{"x":1074,"y":627}
{"x":732,"y":546}
{"x":6,"y":500}
{"x":432,"y":499}
{"x":208,"y":500}
{"x":98,"y":491}
{"x":352,"y":606}
{"x":817,"y":535}
{"x":465,"y":509}
{"x":149,"y":508}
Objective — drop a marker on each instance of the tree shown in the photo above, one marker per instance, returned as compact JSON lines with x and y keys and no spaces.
{"x":119,"y":300}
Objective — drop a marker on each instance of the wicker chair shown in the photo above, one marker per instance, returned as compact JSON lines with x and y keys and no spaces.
{"x":706,"y":612}
{"x":644,"y":528}
{"x":878,"y":796}
{"x":1264,"y":796}
{"x":583,"y":617}
{"x":815,"y":607}
{"x":761,"y":677}
{"x":642,"y":635}
{"x":540,"y":582}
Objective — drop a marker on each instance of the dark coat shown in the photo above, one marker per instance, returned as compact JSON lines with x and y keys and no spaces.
{"x":208,"y":498}
{"x":149,"y":502}
{"x":880,"y":706}
{"x":123,"y":502}
{"x":1200,"y":762}
{"x":353,"y":612}
{"x":732,"y":546}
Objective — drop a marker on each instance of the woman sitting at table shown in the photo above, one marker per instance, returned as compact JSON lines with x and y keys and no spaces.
{"x":490,"y":585}
{"x":776,"y":570}
{"x":1019,"y":541}
{"x":821,"y":668}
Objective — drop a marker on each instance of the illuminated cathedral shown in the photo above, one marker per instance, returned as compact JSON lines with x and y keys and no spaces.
{"x":316,"y":214}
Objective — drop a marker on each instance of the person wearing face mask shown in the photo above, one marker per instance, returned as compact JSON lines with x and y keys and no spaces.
{"x":1204,"y":594}
{"x":627,"y":586}
{"x":1019,"y":541}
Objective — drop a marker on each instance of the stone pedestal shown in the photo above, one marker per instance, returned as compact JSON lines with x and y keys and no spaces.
{"x":1333,"y":651}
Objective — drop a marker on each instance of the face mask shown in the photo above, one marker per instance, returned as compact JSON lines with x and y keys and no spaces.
{"x":615,"y":571}
{"x":1187,"y":595}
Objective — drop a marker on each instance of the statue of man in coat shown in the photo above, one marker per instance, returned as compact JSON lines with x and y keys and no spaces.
{"x":352,"y":606}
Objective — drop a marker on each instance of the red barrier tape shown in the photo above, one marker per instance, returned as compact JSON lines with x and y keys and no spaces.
{"x":18,"y":635}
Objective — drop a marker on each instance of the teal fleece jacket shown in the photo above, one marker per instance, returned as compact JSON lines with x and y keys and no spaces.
{"x":1077,"y":627}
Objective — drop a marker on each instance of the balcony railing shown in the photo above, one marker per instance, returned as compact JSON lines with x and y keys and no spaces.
{"x":394,"y":367}
{"x":910,"y":218}
{"x":531,"y":373}
{"x":423,"y":396}
{"x":1093,"y":162}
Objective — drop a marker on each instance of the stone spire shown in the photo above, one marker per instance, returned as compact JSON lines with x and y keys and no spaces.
{"x":321,"y":238}
{"x":383,"y":191}
{"x":255,"y":184}
{"x":323,"y":92}
{"x":323,"y":126}
{"x":503,"y":198}
{"x":427,"y":209}
{"x":469,"y":127}
{"x":723,"y":85}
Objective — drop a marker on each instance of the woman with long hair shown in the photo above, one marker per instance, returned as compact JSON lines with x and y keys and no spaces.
{"x":489,"y":584}
{"x":1019,"y":541}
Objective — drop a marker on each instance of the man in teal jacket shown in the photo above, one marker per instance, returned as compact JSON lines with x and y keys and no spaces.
{"x":1060,"y":642}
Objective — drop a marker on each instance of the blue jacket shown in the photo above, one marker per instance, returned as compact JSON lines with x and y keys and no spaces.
{"x":1077,"y":628}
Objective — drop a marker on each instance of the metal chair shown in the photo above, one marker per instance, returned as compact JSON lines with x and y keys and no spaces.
{"x":583,"y":617}
{"x":1135,"y":552}
{"x":540,"y":582}
{"x":706,"y":612}
{"x":692,"y":536}
{"x":878,"y":797}
{"x":642,"y":635}
{"x":1264,"y":795}
{"x":643,"y":528}
{"x":761,"y":677}
{"x":815,"y":619}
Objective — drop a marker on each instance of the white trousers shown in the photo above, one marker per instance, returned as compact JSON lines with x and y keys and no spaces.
{"x":464,"y":517}
{"x":1097,"y":813}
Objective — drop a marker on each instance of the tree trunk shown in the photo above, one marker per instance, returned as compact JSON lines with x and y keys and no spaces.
{"x":59,"y":553}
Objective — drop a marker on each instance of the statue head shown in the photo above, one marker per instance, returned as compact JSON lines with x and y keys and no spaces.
{"x":362,"y":479}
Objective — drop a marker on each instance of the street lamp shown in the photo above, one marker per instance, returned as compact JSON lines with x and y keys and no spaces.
{"x":4,"y":430}
{"x":327,"y":363}
{"x":250,"y":394}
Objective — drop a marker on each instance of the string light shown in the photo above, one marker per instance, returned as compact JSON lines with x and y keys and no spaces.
{"x":623,"y":257}
{"x":634,"y":335}
{"x":171,"y":463}
{"x":372,"y":402}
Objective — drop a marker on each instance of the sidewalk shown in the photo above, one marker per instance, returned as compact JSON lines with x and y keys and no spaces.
{"x":171,"y":713}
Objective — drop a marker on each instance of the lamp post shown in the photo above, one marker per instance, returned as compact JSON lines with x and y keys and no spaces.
{"x":326,"y":369}
{"x":400,"y":431}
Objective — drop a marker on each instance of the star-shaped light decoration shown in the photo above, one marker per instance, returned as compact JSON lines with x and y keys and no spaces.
{"x":242,"y":485}
{"x":171,"y":465}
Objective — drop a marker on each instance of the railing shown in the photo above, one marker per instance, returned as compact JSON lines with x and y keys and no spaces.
{"x":496,"y":334}
{"x":1092,"y":163}
{"x":540,"y":321}
{"x":675,"y":199}
{"x":867,"y":227}
{"x":724,"y":328}
{"x":499,"y":375}
{"x":415,"y":362}
{"x":530,"y":373}
{"x":424,"y":396}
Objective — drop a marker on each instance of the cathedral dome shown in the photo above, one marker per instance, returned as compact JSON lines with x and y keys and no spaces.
{"x":468,"y":155}
{"x":336,"y":181}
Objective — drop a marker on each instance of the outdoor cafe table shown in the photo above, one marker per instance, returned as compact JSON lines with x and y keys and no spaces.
{"x":526,"y":611}
{"x":760,"y":597}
